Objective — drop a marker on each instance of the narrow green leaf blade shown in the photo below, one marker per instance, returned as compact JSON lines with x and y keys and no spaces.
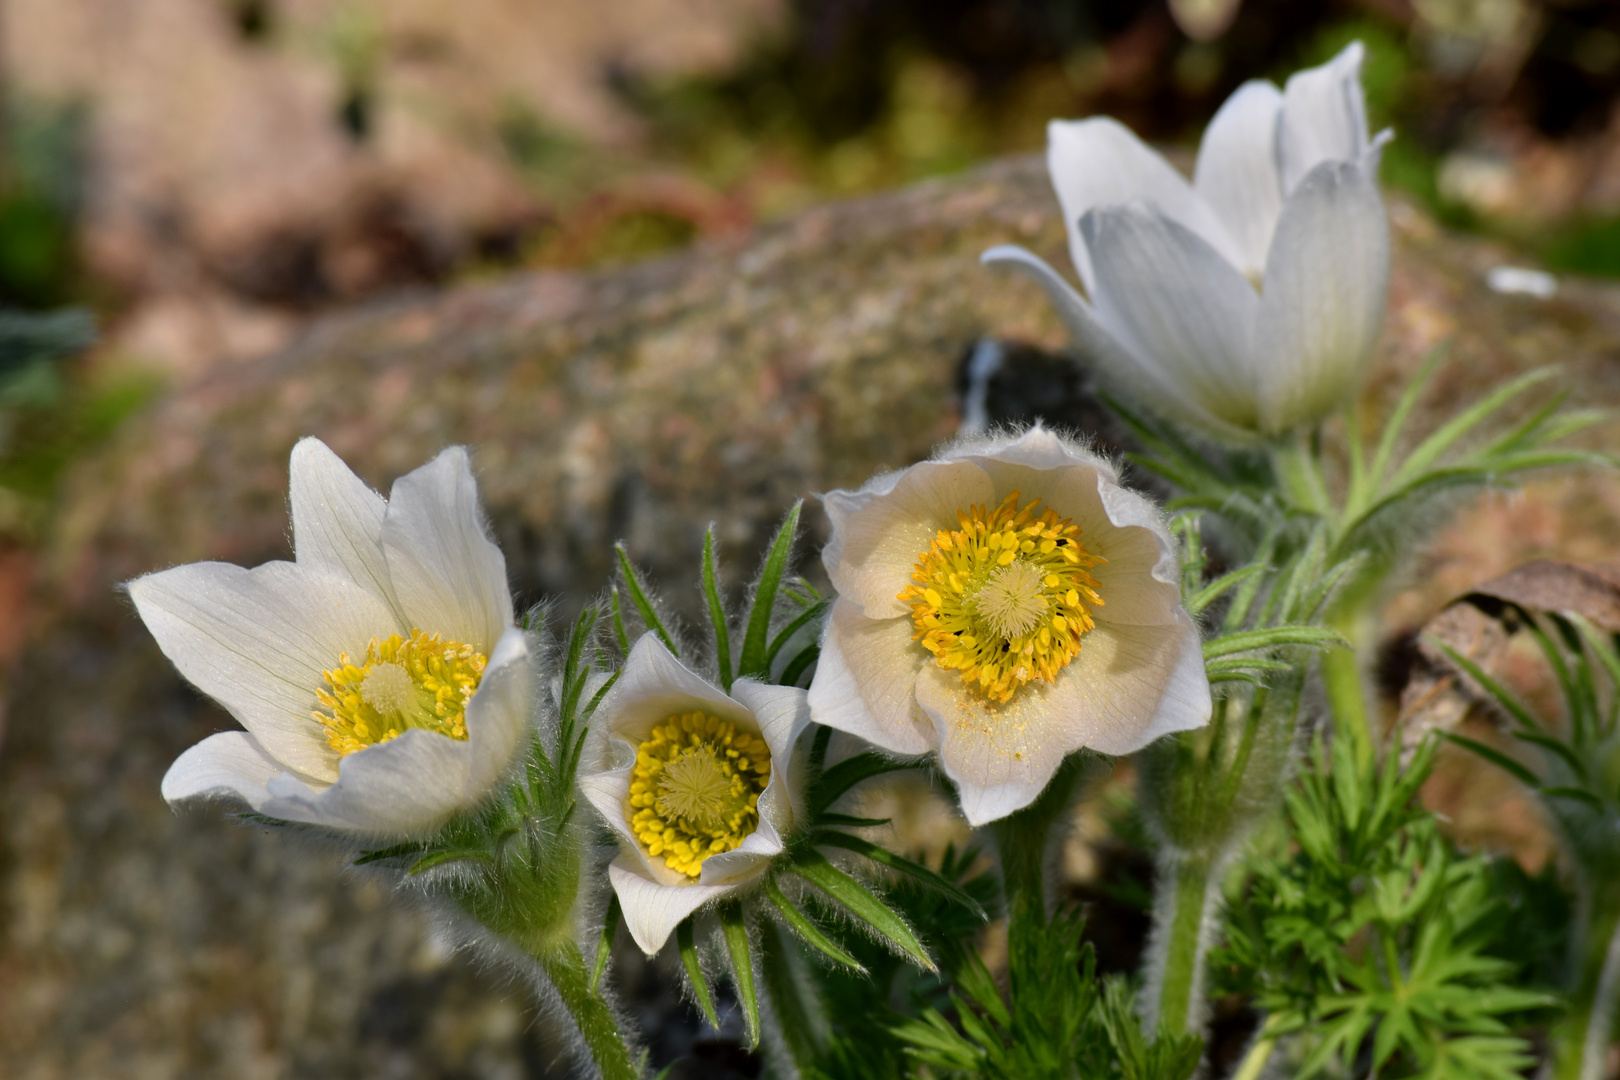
{"x":639,"y":597}
{"x":899,"y":863}
{"x":858,"y":901}
{"x":742,"y":966}
{"x":1497,"y":758}
{"x":833,"y":783}
{"x":604,"y":942}
{"x":753,"y":660}
{"x":1273,"y":637}
{"x":694,"y":971}
{"x":717,"y":610}
{"x":806,"y":929}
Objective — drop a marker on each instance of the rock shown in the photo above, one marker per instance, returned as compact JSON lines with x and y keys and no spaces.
{"x":718,"y":385}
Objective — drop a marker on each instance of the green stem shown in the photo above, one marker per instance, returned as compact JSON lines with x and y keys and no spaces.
{"x":1254,"y":1062}
{"x":1341,"y":678}
{"x":1182,"y":902}
{"x":1294,"y":463}
{"x":565,"y":968}
{"x":1586,"y":1032}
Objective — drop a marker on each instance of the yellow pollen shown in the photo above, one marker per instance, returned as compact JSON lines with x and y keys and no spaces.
{"x":1004,"y":598}
{"x":418,"y":682}
{"x":695,"y":788}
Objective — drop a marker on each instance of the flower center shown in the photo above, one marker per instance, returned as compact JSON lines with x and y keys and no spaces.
{"x":695,"y":788}
{"x":421,"y":681}
{"x":1005,"y":598}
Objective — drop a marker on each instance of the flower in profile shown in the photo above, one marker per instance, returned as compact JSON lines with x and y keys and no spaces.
{"x":699,"y":785}
{"x":1005,"y":604}
{"x":1247,"y":302}
{"x":380,"y":677}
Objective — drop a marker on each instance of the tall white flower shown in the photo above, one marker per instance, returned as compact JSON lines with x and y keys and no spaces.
{"x":700,"y":786}
{"x":1003,"y":605}
{"x":380,"y":677}
{"x":1246,"y":302}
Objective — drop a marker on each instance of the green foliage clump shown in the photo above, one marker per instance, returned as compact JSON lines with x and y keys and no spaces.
{"x":1372,"y":944}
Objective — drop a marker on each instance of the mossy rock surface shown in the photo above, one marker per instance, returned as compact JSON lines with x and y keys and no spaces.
{"x":718,"y":385}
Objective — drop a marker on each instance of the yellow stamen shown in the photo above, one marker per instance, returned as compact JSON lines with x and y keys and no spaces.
{"x":695,"y":788}
{"x":418,"y":682}
{"x":1005,"y":598}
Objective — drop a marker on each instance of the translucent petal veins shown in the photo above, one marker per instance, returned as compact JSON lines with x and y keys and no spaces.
{"x":418,"y":682}
{"x":695,"y":788}
{"x":1005,"y":598}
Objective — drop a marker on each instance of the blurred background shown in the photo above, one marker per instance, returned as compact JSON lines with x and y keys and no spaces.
{"x":187,"y":186}
{"x":203,"y":176}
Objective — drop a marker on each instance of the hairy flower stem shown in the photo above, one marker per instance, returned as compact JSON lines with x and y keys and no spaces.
{"x":1183,"y":908}
{"x":1202,"y":791}
{"x":1585,"y":1033}
{"x":1341,"y":679}
{"x":571,"y":978}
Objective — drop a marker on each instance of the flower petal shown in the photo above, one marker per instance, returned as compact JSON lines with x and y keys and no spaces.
{"x":1323,"y":302}
{"x":1324,"y":116}
{"x":231,"y":764}
{"x":448,"y":574}
{"x":1037,"y":447}
{"x":1099,"y":162}
{"x":876,"y":539}
{"x":405,"y":787}
{"x":1140,"y":376}
{"x":652,"y":911}
{"x":498,"y":714}
{"x":653,"y":686}
{"x":783,"y":714}
{"x":1128,"y":686}
{"x":257,"y":641}
{"x":1237,"y":173}
{"x":864,"y":679}
{"x":337,"y":521}
{"x":1169,"y":295}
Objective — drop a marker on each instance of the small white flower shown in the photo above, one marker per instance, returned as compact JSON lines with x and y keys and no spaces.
{"x":1005,"y":604}
{"x":1248,"y":301}
{"x":380,"y":677}
{"x":701,"y":787}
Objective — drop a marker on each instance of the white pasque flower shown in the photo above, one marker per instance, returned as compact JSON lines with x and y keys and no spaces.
{"x":700,"y":786}
{"x":380,"y":677}
{"x":1005,"y":604}
{"x":1247,"y":302}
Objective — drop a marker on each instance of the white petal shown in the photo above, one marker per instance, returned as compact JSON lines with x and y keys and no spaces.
{"x":1037,"y":447}
{"x":257,"y":641}
{"x":782,"y":713}
{"x":448,"y":574}
{"x":999,"y":756}
{"x":1237,"y":173}
{"x":1141,"y":377}
{"x":609,"y":792}
{"x":877,"y":541}
{"x":1323,"y":302}
{"x":864,"y":679}
{"x":1128,"y":686}
{"x":229,"y":765}
{"x":651,"y":910}
{"x":1167,"y":293}
{"x":405,"y":787}
{"x":498,"y":714}
{"x":653,"y":686}
{"x":337,"y":520}
{"x":1099,"y":162}
{"x":1324,"y":116}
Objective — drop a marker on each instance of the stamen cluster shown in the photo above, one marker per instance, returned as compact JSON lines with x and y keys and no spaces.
{"x":1005,"y":598}
{"x":695,"y":788}
{"x":418,"y":682}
